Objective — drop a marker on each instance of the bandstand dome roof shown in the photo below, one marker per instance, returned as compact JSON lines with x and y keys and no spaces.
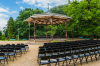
{"x":44,"y":19}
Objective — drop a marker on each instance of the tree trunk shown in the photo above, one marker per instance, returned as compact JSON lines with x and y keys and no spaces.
{"x":92,"y":37}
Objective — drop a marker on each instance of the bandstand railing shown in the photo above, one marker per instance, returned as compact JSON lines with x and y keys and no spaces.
{"x":47,"y":37}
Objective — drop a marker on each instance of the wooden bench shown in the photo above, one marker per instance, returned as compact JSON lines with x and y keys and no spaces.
{"x":86,"y":38}
{"x":24,"y":39}
{"x":12,"y":39}
{"x":80,"y":37}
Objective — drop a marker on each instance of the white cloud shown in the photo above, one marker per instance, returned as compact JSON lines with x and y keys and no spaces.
{"x":17,"y":2}
{"x":4,"y":10}
{"x":44,"y":3}
{"x":3,"y":20}
{"x":4,"y":16}
{"x":14,"y":11}
{"x":31,"y":2}
{"x":21,"y":7}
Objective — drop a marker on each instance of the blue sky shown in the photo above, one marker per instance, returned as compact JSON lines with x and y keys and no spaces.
{"x":11,"y":8}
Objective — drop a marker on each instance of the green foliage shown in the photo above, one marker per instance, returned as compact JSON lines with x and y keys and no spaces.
{"x":23,"y":26}
{"x":10,"y":28}
{"x":58,"y":9}
{"x":0,"y":33}
{"x":84,"y":16}
{"x":3,"y":37}
{"x":54,"y":41}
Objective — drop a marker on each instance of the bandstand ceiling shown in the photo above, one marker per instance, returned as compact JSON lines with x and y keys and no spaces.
{"x":44,"y":19}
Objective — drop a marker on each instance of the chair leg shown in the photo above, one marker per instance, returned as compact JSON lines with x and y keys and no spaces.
{"x":81,"y":61}
{"x":58,"y":64}
{"x":70,"y":61}
{"x":86,"y":59}
{"x":66,"y":63}
{"x":4,"y":61}
{"x":55,"y":64}
{"x":91,"y":59}
{"x":63,"y":63}
{"x":13,"y":57}
{"x":73,"y":62}
{"x":0,"y":61}
{"x":96,"y":57}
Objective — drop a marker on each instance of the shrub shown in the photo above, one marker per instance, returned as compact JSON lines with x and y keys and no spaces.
{"x":54,"y":41}
{"x":3,"y":37}
{"x":0,"y":37}
{"x":67,"y":40}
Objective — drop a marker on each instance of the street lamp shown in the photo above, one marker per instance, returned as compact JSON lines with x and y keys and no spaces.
{"x":18,"y":34}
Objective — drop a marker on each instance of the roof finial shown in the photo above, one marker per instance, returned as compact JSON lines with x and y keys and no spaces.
{"x":48,"y":7}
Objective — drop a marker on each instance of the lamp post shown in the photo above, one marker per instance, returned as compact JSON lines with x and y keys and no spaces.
{"x":18,"y":34}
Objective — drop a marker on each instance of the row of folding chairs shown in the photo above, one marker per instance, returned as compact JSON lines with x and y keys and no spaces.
{"x":74,"y":50}
{"x":9,"y":51}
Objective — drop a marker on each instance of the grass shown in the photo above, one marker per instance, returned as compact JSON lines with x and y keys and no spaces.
{"x":13,"y":40}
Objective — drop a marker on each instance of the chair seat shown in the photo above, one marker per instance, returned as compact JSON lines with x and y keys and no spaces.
{"x":6,"y":53}
{"x":61,"y":53}
{"x":82,"y":55}
{"x":48,"y":54}
{"x":26,"y":47}
{"x":68,"y":58}
{"x":40,"y":56}
{"x":96,"y":52}
{"x":18,"y":51}
{"x":87,"y":54}
{"x":61,"y":59}
{"x":12,"y":54}
{"x":54,"y":54}
{"x":23,"y":49}
{"x":92,"y":53}
{"x":75,"y":56}
{"x":82,"y":50}
{"x":2,"y":58}
{"x":44,"y":62}
{"x":67,"y":52}
{"x":53,"y":60}
{"x":73,"y":51}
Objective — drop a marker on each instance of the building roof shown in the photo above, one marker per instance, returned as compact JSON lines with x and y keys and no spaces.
{"x":44,"y":19}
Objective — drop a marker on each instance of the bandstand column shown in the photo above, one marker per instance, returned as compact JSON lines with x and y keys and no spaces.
{"x":46,"y":31}
{"x":66,"y":29}
{"x":51,"y":29}
{"x":29,"y":30}
{"x":57,"y":30}
{"x":34,"y":30}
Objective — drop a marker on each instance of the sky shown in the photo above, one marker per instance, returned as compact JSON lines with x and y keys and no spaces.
{"x":11,"y":8}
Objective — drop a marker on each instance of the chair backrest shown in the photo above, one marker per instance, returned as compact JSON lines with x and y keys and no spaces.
{"x":45,"y":58}
{"x":10,"y":50}
{"x":4,"y":50}
{"x":2,"y":54}
{"x":17,"y":48}
{"x":41,"y":52}
{"x":49,"y":51}
{"x":53,"y":56}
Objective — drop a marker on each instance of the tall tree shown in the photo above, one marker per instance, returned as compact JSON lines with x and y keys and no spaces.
{"x":86,"y":15}
{"x":24,"y":27}
{"x":10,"y":28}
{"x":0,"y":33}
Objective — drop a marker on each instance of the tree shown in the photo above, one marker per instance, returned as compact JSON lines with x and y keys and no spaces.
{"x":24,"y":27}
{"x":0,"y":35}
{"x":3,"y":37}
{"x":58,"y":9}
{"x":10,"y":28}
{"x":86,"y":16}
